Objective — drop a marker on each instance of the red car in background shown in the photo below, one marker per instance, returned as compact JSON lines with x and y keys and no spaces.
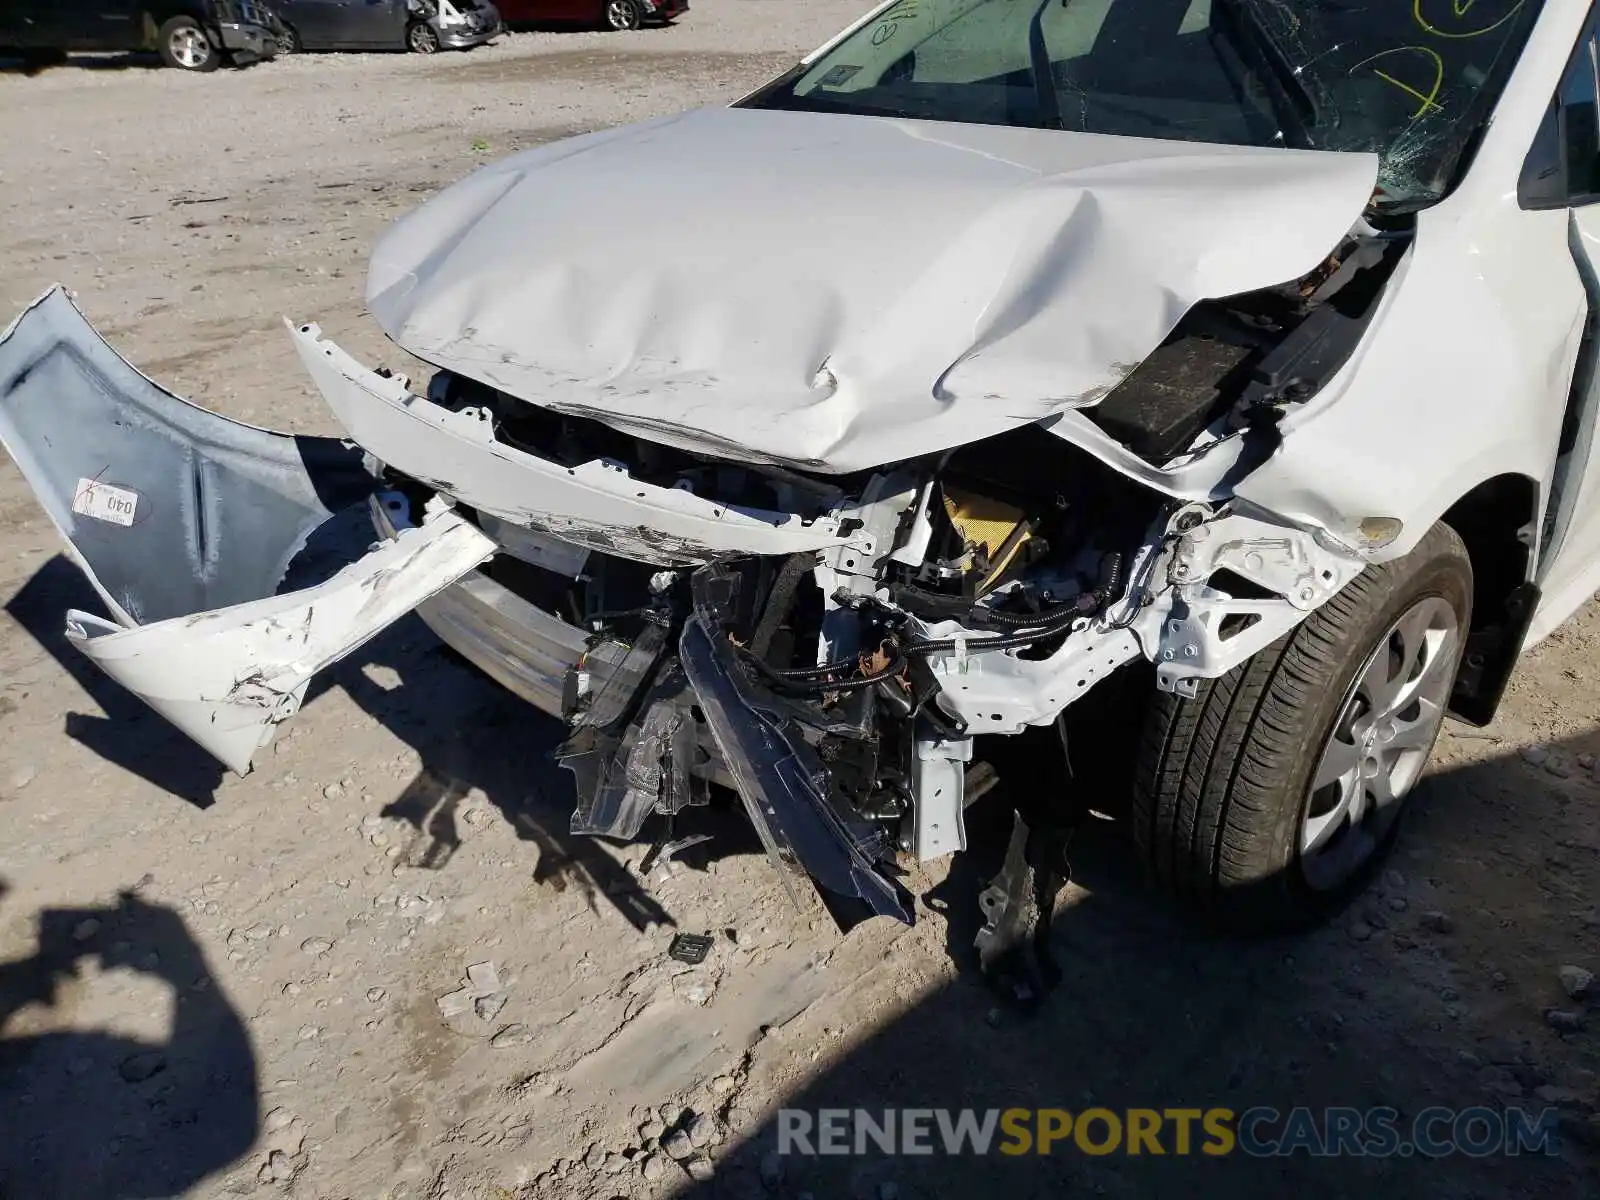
{"x":613,"y":14}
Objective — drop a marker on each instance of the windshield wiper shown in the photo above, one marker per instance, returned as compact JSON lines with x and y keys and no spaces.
{"x":1292,"y":101}
{"x":1044,"y":71}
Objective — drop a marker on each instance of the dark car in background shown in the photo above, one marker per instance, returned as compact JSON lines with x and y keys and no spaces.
{"x":422,"y":26}
{"x":193,"y":35}
{"x":614,"y":14}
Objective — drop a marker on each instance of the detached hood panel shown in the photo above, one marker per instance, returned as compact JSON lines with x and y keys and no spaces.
{"x":837,"y":292}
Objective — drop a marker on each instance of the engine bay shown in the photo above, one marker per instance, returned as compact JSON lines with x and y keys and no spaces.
{"x":981,"y":590}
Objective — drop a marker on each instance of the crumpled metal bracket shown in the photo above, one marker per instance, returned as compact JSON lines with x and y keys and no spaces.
{"x":1019,"y":907}
{"x":1200,"y":631}
{"x":777,"y":774}
{"x":631,"y":749}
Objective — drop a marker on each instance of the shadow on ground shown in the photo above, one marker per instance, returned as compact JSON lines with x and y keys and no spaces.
{"x":578,"y":26}
{"x":469,"y":733}
{"x":44,"y":61}
{"x":1398,"y":1011}
{"x":1384,"y":1008}
{"x":130,"y":735}
{"x":492,"y":742}
{"x":96,"y":1114}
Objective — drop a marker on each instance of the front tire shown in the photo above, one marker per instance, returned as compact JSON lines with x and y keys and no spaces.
{"x":1269,"y":799}
{"x":422,"y":38}
{"x":623,"y":15}
{"x":184,"y":45}
{"x":289,"y":40}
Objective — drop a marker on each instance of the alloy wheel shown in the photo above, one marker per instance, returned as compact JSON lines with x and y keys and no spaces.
{"x":1380,"y":743}
{"x":190,"y":49}
{"x":623,"y":14}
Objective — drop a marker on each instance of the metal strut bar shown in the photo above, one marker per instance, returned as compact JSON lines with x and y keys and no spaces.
{"x":1019,"y":905}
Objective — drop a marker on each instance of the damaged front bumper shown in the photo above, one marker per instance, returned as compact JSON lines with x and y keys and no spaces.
{"x":465,"y":37}
{"x":247,"y":42}
{"x":188,"y":524}
{"x":214,"y":547}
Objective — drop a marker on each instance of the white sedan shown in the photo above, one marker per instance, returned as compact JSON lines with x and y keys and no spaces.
{"x":1216,"y":376}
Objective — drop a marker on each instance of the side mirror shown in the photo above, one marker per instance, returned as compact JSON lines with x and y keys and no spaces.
{"x":1543,"y":183}
{"x":1580,"y":136}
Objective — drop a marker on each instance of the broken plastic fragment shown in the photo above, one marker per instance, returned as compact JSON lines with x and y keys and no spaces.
{"x":187,"y":524}
{"x":484,"y":978}
{"x":690,"y":948}
{"x":777,"y":773}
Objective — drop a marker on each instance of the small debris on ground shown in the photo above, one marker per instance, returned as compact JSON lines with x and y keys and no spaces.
{"x":511,"y":1035}
{"x":703,"y":1131}
{"x":700,"y":1169}
{"x":772,"y":1171}
{"x":139,"y":1067}
{"x":1576,"y":981}
{"x":483,"y":978}
{"x":690,"y":948}
{"x":1564,"y":1020}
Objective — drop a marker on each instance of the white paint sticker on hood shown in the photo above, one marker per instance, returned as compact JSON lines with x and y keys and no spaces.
{"x":836,"y":292}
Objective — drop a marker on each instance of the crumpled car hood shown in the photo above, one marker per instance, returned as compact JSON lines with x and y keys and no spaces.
{"x":836,"y":292}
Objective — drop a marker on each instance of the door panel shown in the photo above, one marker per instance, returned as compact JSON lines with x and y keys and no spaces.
{"x":318,"y":22}
{"x":375,"y":24}
{"x":117,"y":23}
{"x":324,"y":24}
{"x":1569,"y":569}
{"x":31,"y":24}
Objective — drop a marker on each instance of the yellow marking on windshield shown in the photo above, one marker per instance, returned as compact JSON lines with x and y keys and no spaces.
{"x":1427,"y":101}
{"x":1460,"y":9}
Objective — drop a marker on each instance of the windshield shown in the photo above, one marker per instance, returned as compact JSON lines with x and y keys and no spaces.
{"x":1411,"y":80}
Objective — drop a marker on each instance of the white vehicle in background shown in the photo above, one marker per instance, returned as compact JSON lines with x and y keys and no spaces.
{"x":1238,"y":352}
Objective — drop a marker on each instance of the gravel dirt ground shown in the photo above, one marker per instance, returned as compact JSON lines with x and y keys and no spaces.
{"x":215,"y":986}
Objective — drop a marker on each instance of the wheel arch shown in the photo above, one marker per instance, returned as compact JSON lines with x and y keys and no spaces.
{"x":157,"y":13}
{"x":1498,"y":521}
{"x":153,"y":14}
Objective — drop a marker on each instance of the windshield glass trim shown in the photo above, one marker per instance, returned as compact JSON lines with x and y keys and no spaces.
{"x":1401,"y":81}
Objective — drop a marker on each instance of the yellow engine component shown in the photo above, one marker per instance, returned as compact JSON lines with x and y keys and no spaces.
{"x":1001,"y":530}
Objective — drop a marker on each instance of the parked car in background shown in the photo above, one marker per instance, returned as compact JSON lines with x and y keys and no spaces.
{"x":195,"y":35}
{"x":613,"y":14}
{"x":422,"y":26}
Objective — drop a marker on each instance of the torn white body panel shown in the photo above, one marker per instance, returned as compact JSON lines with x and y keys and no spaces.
{"x":995,"y":277}
{"x":228,"y":678}
{"x":596,"y":504}
{"x":189,"y":525}
{"x":171,"y":509}
{"x":1409,"y":424}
